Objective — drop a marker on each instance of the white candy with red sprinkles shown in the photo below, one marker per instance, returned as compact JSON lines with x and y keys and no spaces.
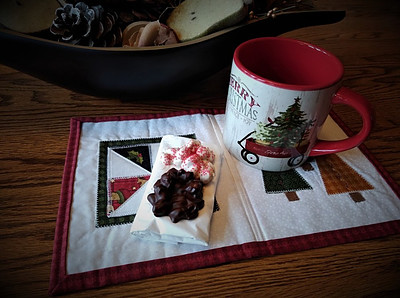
{"x":205,"y":153}
{"x":192,"y":157}
{"x":207,"y":172}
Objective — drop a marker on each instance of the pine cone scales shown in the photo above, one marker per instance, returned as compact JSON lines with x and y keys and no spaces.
{"x":84,"y":25}
{"x":72,"y":23}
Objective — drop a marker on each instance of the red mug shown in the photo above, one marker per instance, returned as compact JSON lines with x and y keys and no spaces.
{"x":279,"y":96}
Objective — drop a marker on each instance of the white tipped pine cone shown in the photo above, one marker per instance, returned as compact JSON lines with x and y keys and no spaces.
{"x":81,"y":24}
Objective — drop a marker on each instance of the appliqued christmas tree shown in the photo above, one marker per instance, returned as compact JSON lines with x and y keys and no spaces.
{"x":288,"y":182}
{"x":339,"y":177}
{"x":288,"y":130}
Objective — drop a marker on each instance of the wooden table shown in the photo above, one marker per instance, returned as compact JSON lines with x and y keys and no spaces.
{"x":34,"y":127}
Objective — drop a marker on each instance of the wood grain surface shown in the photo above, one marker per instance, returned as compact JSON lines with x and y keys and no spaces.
{"x":34,"y":129}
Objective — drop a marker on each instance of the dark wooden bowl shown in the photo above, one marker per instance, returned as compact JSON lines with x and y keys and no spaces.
{"x":134,"y":73}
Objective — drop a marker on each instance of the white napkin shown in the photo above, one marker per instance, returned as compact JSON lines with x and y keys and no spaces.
{"x":195,"y":231}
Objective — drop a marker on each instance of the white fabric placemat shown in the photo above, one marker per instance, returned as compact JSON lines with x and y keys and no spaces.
{"x":247,"y":211}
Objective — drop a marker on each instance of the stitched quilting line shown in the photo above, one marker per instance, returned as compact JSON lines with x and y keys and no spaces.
{"x":241,"y":190}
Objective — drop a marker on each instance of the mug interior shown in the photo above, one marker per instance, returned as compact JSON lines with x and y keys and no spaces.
{"x":288,"y":63}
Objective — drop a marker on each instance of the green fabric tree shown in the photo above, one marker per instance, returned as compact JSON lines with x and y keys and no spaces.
{"x":288,"y":182}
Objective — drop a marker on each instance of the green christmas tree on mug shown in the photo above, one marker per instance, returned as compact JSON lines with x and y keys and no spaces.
{"x":288,"y":130}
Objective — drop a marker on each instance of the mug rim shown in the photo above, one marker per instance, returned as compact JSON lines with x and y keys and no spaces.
{"x":300,"y":87}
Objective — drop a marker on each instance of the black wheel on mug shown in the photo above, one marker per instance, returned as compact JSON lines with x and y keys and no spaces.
{"x":250,"y":157}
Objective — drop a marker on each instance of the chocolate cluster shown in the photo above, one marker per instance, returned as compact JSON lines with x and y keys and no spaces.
{"x":177,"y":194}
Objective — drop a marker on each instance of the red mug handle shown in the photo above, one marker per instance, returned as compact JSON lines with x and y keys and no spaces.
{"x":362,"y":106}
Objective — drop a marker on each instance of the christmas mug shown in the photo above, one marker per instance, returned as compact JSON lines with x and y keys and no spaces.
{"x":280,"y":93}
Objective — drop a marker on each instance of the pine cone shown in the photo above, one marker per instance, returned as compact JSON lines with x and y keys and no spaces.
{"x":130,"y":11}
{"x":89,"y":26}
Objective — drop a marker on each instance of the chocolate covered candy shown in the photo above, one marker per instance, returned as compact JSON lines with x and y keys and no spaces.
{"x":177,"y":194}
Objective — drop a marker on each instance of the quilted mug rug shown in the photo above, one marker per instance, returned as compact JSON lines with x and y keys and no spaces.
{"x":330,"y":200}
